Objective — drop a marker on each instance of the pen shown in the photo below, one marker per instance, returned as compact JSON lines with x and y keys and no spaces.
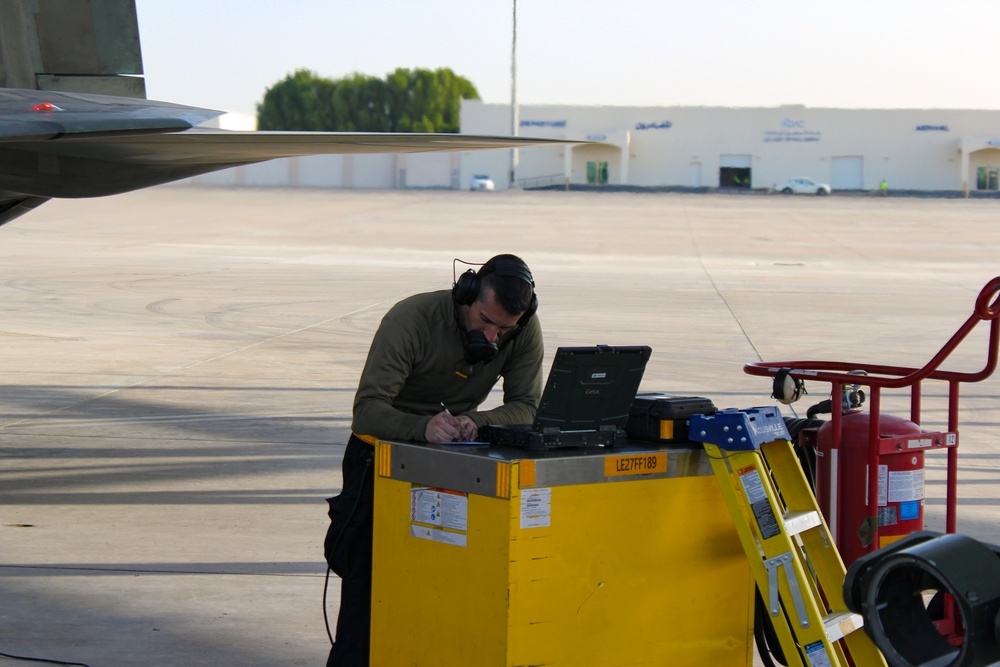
{"x":445,"y":408}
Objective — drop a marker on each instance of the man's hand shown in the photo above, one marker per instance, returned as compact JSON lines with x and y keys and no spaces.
{"x":443,"y":427}
{"x":468,"y":427}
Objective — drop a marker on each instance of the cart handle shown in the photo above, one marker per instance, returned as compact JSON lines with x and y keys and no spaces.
{"x":900,"y":376}
{"x":983,"y":310}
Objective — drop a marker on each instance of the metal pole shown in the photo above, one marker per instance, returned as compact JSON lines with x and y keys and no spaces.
{"x":514,"y":116}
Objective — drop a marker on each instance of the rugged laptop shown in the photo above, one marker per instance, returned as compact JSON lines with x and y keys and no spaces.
{"x":586,"y":401}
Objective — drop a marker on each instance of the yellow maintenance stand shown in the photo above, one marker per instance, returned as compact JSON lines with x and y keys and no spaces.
{"x":492,"y":557}
{"x":786,"y":540}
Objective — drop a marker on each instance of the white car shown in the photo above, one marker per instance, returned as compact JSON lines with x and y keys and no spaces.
{"x":482,"y":182}
{"x":802,"y":186}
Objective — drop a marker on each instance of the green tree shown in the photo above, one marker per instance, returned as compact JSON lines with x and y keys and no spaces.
{"x":302,"y":100}
{"x":419,"y":100}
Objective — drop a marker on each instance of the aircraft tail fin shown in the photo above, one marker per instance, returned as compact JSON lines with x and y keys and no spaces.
{"x":72,"y":46}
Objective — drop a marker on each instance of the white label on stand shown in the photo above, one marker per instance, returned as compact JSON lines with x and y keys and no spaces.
{"x":536,"y":508}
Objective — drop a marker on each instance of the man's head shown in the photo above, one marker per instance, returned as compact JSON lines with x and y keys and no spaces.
{"x":494,"y":300}
{"x":511,"y":283}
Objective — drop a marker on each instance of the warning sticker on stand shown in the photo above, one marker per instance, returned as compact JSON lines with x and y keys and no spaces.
{"x":439,"y":515}
{"x":817,"y":655}
{"x":753,"y":487}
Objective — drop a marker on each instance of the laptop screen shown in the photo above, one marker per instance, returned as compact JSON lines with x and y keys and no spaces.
{"x":590,"y":387}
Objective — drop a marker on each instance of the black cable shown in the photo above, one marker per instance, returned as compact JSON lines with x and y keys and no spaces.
{"x":768,"y":647}
{"x":51,"y":662}
{"x":326,"y":616}
{"x":806,"y":455}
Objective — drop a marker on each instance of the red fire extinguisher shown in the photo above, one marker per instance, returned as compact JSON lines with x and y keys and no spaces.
{"x":842,"y":475}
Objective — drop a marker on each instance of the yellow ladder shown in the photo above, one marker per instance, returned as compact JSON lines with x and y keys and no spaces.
{"x":798,"y":569}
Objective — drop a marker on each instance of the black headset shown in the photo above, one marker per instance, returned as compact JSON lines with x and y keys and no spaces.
{"x":467,"y":287}
{"x":466,"y":290}
{"x":787,"y":389}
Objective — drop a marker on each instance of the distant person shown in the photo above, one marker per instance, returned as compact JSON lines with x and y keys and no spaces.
{"x":433,"y":361}
{"x":884,"y":188}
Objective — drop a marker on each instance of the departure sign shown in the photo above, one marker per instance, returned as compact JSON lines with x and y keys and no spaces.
{"x":635,"y":464}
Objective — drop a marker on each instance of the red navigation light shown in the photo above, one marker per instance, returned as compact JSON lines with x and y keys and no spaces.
{"x":45,"y":106}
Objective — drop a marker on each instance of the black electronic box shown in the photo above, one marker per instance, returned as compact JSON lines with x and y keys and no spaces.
{"x":660,"y":417}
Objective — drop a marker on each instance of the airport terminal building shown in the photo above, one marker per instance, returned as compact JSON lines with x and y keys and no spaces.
{"x":754,"y":148}
{"x":699,"y":148}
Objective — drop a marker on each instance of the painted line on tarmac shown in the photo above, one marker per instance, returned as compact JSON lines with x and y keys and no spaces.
{"x":169,"y":418}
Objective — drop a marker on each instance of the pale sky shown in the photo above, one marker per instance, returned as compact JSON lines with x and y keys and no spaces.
{"x":223,"y":54}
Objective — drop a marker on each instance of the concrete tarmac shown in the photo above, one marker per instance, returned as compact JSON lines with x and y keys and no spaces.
{"x":179,"y":366}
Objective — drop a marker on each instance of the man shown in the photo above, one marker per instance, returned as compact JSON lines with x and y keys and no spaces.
{"x":433,"y":361}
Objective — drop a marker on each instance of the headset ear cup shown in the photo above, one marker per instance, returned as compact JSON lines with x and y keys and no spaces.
{"x":466,"y":288}
{"x":787,"y":389}
{"x":532,"y":309}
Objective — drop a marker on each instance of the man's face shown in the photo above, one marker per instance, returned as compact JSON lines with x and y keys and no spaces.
{"x":488,"y":316}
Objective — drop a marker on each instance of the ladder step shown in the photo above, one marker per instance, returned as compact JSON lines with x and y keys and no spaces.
{"x":800,"y":522}
{"x":839,"y":624}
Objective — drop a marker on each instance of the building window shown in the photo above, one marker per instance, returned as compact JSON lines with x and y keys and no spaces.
{"x":597,"y":173}
{"x":988,"y":178}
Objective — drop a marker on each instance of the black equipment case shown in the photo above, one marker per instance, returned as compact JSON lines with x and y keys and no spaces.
{"x":660,"y":417}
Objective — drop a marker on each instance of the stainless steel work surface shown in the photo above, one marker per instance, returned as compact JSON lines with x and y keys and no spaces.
{"x":473,"y":469}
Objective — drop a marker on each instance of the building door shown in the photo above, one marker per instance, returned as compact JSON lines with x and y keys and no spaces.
{"x":735,"y":171}
{"x":694,"y":174}
{"x":597,"y":173}
{"x":988,"y":178}
{"x":847,"y":172}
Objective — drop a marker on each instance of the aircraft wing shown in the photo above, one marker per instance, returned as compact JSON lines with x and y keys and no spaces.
{"x":140,"y":131}
{"x":223,"y":147}
{"x":79,"y":145}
